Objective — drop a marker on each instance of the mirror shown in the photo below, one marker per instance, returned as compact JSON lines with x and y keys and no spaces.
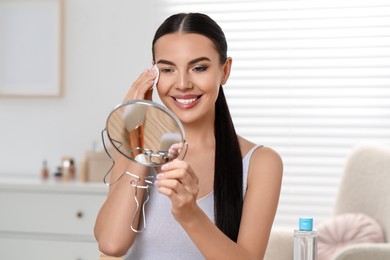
{"x":148,"y":134}
{"x":144,"y":131}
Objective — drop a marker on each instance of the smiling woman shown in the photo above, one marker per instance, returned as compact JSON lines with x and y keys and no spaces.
{"x":218,"y":202}
{"x":196,"y":64}
{"x":310,"y":79}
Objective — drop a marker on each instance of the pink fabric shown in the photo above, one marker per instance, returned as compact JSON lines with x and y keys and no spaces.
{"x":344,"y":230}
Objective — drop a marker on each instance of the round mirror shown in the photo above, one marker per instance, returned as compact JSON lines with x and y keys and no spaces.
{"x":145,"y":132}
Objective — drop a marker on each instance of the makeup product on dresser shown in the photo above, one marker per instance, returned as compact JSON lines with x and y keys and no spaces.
{"x":44,"y":171}
{"x":72,"y":169}
{"x":58,"y":173}
{"x":67,"y":169}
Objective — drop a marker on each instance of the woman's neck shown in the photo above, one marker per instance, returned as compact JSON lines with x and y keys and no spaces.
{"x":200,"y":134}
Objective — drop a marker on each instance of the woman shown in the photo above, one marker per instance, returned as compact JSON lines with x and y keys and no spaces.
{"x":220,"y":201}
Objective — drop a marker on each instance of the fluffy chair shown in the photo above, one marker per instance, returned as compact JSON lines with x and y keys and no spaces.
{"x":364,"y":190}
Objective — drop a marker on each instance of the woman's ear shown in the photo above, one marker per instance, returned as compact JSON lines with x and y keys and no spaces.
{"x":226,"y":70}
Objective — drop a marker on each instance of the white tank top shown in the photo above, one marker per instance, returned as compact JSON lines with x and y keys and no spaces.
{"x":164,"y":238}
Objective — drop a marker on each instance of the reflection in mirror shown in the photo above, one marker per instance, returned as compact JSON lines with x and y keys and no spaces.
{"x":146,"y":133}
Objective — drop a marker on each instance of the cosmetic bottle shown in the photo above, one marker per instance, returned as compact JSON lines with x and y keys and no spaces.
{"x":305,"y":240}
{"x":65,"y":168}
{"x":72,"y":169}
{"x":58,"y":174}
{"x":44,"y":171}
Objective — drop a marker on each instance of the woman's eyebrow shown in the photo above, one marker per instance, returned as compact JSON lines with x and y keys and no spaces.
{"x":167,"y":62}
{"x":198,"y":60}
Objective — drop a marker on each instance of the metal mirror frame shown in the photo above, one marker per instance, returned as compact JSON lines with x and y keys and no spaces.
{"x":148,"y":180}
{"x":146,"y":103}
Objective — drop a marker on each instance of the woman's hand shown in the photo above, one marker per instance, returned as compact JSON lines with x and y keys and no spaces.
{"x":142,"y":88}
{"x":179,"y":183}
{"x":175,"y":150}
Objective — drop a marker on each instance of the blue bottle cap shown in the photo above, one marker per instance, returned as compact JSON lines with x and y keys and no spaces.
{"x":305,"y":224}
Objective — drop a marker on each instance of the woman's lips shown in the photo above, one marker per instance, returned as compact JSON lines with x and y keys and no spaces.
{"x":187,"y":102}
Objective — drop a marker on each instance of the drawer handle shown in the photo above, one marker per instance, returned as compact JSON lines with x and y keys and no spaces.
{"x":79,"y":214}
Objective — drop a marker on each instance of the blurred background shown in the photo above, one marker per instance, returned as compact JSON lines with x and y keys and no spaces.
{"x":311,"y":79}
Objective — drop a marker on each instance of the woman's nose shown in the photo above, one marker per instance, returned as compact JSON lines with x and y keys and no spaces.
{"x":183,"y":81}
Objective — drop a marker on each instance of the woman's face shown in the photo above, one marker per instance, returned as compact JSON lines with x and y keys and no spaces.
{"x":190,"y":75}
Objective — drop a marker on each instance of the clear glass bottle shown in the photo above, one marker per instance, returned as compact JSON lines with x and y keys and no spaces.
{"x":305,"y":240}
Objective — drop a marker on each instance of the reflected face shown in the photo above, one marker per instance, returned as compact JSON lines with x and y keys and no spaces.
{"x":190,"y":75}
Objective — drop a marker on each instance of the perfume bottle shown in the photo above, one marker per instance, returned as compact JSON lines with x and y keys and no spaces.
{"x":305,"y":240}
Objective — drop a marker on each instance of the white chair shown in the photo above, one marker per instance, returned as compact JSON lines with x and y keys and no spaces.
{"x":364,"y":188}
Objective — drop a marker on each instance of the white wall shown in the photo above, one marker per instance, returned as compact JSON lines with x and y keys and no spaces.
{"x":107,"y":44}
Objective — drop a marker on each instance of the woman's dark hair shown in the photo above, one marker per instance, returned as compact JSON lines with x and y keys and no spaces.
{"x":228,"y":179}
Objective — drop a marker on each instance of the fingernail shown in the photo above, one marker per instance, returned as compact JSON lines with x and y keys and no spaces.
{"x":164,"y":166}
{"x":159,"y":176}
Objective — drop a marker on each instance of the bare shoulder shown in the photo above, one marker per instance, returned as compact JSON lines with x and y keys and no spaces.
{"x":262,"y":154}
{"x":265,"y":161}
{"x":266,"y":155}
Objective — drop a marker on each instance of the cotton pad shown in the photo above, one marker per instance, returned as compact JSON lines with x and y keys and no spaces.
{"x":155,"y":68}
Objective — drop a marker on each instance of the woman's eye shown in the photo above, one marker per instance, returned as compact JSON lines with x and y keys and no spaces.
{"x":166,"y":70}
{"x":199,"y":68}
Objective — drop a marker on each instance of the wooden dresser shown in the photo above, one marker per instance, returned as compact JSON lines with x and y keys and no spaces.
{"x":49,"y":220}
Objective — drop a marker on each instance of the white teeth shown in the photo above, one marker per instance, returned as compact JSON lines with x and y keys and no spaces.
{"x":186,"y":101}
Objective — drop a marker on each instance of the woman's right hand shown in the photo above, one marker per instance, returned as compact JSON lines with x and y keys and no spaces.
{"x":180,"y":184}
{"x":142,"y":88}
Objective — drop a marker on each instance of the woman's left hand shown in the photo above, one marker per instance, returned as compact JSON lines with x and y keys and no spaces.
{"x":179,"y":183}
